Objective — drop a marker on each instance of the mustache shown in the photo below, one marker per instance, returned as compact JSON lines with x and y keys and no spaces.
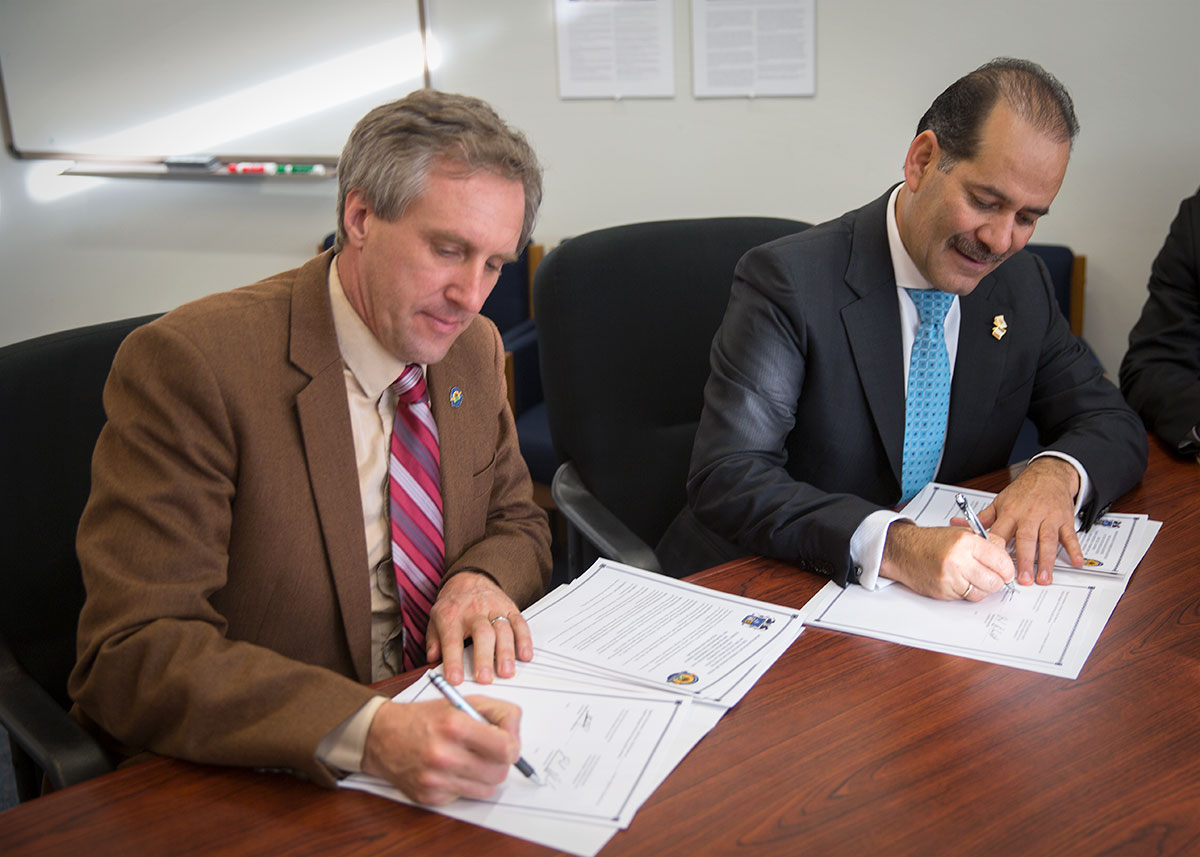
{"x":976,"y":250}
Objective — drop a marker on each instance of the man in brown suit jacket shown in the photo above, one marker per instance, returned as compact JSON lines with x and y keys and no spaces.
{"x":231,"y":546}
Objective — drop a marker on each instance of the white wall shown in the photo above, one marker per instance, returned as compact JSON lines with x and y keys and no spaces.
{"x":127,"y":246}
{"x":134,"y":246}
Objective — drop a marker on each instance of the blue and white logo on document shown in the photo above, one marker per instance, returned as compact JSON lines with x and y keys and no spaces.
{"x":762,"y":623}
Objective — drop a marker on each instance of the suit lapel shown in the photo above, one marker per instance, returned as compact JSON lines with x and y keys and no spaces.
{"x":872,"y":325}
{"x":978,"y":368}
{"x":324,"y":417}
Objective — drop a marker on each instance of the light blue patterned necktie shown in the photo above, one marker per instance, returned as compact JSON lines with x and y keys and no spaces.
{"x":927,"y":403}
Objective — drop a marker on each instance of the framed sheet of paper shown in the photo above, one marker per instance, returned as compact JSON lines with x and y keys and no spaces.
{"x":615,"y":48}
{"x":752,"y":48}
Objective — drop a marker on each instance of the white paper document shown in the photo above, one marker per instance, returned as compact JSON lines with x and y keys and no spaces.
{"x":624,"y":622}
{"x":1113,"y":546}
{"x":752,"y":48}
{"x":600,"y":753}
{"x":615,"y":48}
{"x":1049,"y":629}
{"x":600,"y":724}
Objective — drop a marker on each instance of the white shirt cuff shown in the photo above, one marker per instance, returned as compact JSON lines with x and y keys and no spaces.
{"x":342,"y":749}
{"x":866,"y":547}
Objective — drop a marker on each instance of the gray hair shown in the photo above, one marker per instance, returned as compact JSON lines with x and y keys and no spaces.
{"x":392,"y":150}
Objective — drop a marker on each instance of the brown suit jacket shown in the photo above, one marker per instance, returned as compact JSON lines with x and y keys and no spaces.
{"x":228,"y":608}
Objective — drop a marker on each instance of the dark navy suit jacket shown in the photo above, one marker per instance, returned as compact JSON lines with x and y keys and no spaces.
{"x":1161,"y":372}
{"x":803,"y":425}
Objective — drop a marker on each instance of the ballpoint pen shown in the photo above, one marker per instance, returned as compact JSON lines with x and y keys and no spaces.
{"x":975,"y":523}
{"x":460,"y":702}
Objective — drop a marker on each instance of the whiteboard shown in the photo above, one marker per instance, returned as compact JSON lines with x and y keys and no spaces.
{"x":148,"y":79}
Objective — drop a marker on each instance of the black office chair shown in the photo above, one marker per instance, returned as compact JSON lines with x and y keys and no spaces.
{"x":626,"y":317}
{"x":51,"y":389}
{"x":1068,"y":274}
{"x":509,"y":306}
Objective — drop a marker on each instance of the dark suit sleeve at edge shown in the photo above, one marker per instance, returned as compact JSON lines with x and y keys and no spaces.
{"x":1160,"y":375}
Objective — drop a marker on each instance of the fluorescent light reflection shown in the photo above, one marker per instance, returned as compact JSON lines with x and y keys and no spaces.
{"x":204,"y":127}
{"x":275,"y":102}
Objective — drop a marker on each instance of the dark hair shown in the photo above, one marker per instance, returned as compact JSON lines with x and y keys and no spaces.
{"x":392,"y":150}
{"x":956,"y":116}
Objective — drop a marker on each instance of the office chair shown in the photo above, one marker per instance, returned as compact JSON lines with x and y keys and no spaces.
{"x":510,"y":307}
{"x":51,"y":390}
{"x":1068,"y":274}
{"x":626,"y":317}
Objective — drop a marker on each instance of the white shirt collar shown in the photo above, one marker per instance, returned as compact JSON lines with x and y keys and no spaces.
{"x":908,"y":276}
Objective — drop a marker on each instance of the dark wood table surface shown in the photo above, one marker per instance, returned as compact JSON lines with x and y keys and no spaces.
{"x":846,"y":746}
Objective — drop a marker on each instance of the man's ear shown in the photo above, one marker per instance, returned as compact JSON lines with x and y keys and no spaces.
{"x":923,"y":156}
{"x":355,"y":217}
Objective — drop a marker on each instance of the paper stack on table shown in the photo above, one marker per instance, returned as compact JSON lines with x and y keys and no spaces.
{"x":1050,"y":629}
{"x":1113,"y":546}
{"x":631,"y":669}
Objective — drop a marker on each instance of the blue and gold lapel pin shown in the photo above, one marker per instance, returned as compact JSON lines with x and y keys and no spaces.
{"x":456,"y":397}
{"x":999,"y":327}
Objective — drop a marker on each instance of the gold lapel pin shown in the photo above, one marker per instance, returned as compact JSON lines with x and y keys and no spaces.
{"x":999,"y":327}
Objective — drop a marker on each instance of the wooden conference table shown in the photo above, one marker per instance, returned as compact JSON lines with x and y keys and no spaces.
{"x":846,"y":746}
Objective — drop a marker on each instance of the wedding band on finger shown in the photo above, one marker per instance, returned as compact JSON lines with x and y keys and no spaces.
{"x":970,"y":589}
{"x":499,"y":619}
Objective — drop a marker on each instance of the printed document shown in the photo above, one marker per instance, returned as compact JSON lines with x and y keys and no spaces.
{"x":643,"y":627}
{"x":606,"y":715}
{"x":1049,"y":629}
{"x":1113,"y":546}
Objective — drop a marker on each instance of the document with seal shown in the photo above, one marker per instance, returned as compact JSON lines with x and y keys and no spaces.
{"x":631,"y":670}
{"x":1049,"y":629}
{"x":638,"y":626}
{"x":1113,"y":546}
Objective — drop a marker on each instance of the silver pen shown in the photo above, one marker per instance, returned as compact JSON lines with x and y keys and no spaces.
{"x":975,"y":523}
{"x":459,"y":701}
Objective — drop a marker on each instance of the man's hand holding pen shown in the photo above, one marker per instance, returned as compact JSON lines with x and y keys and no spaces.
{"x":949,"y":563}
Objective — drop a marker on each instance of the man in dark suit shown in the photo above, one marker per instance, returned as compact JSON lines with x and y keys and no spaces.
{"x":1160,"y":375}
{"x":804,"y":443}
{"x":240,"y":545}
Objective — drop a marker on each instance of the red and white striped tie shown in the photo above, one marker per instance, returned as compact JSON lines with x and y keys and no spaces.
{"x":415,"y":510}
